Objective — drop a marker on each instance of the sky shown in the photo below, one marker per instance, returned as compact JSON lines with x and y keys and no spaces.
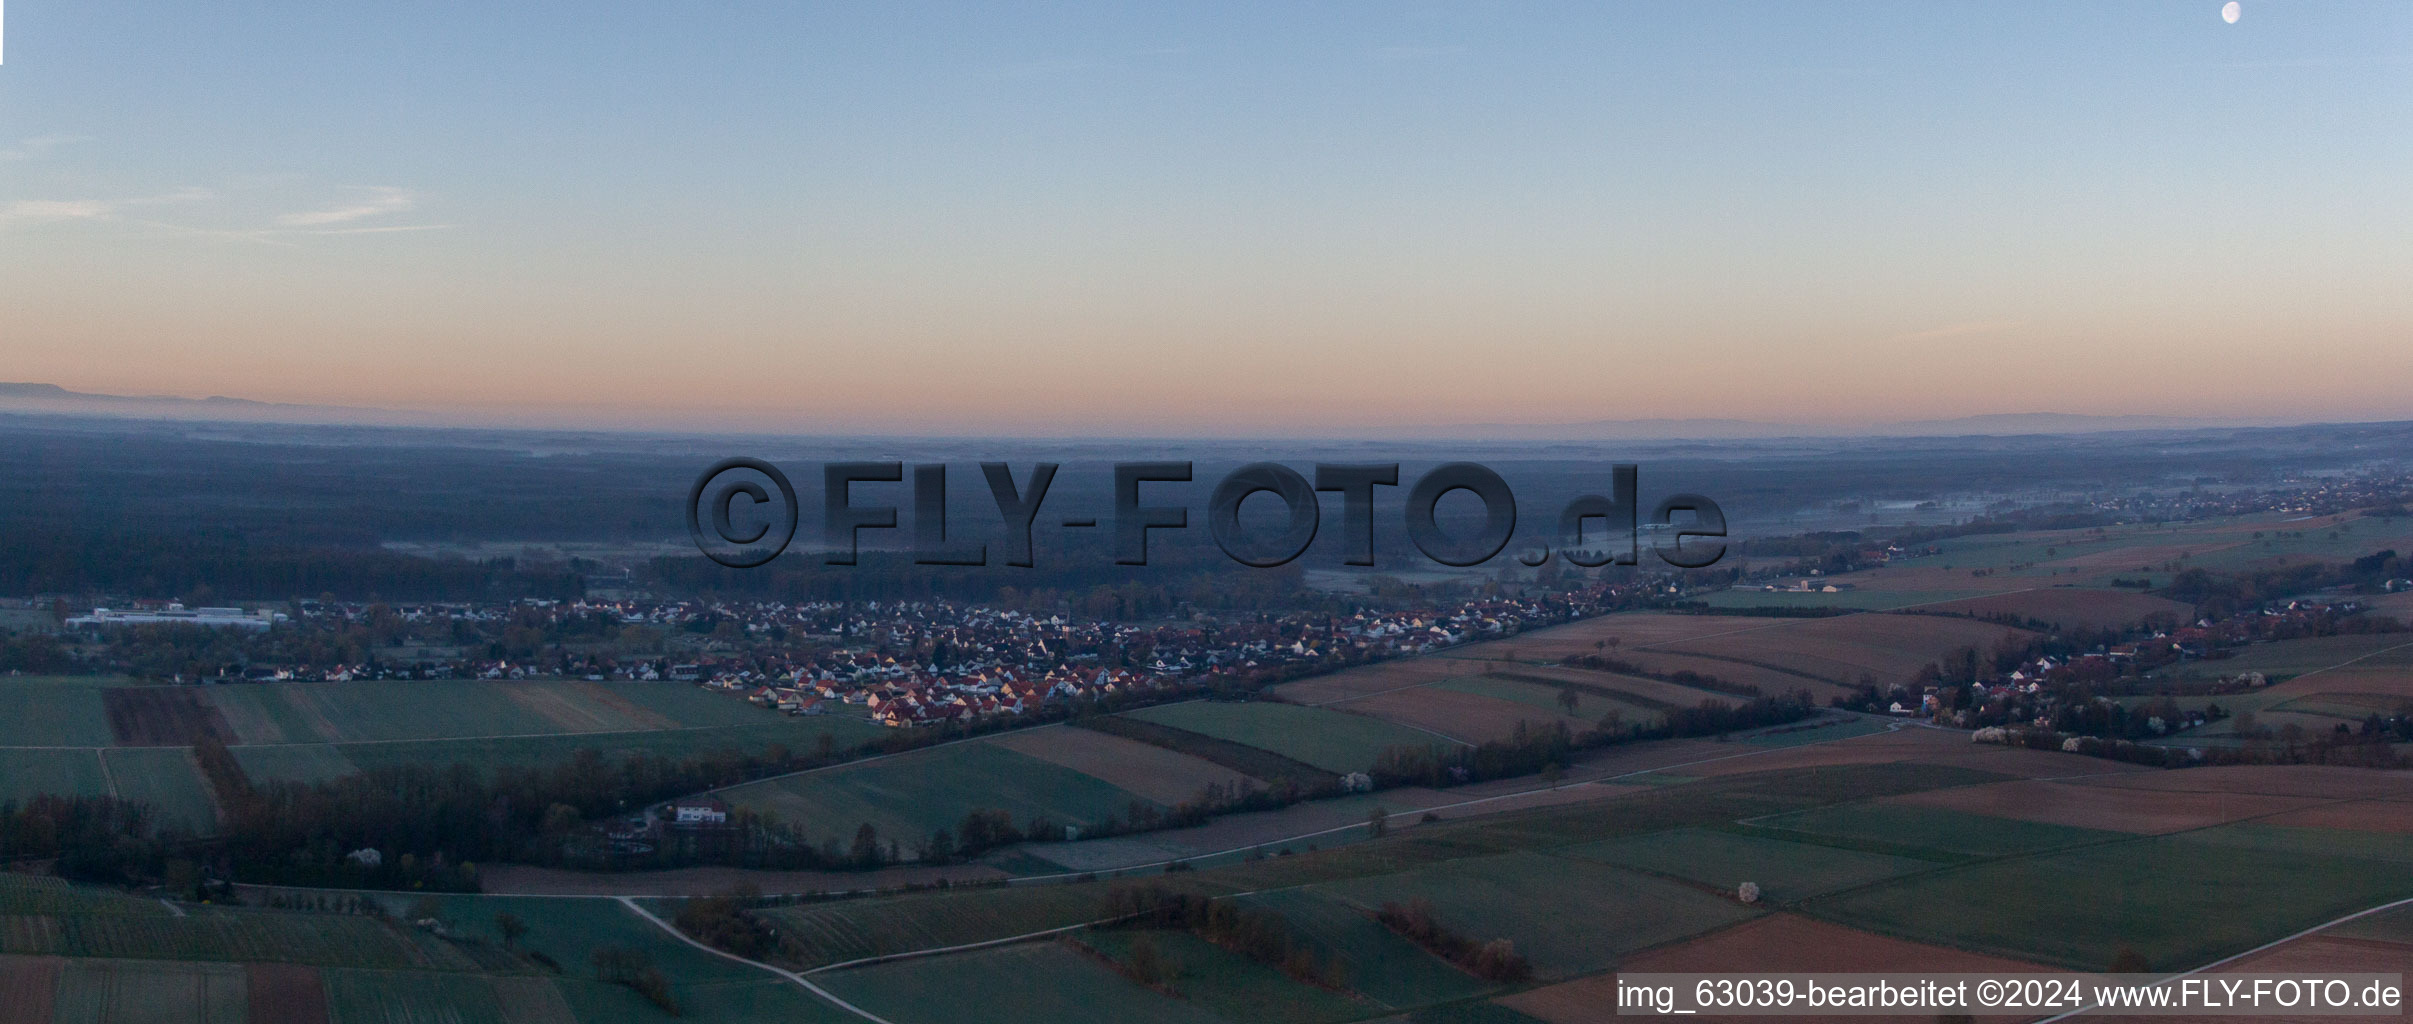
{"x":1227,"y":219}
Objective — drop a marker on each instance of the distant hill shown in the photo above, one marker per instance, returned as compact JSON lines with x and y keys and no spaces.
{"x":2001,"y":424}
{"x":53,"y":392}
{"x":51,"y":398}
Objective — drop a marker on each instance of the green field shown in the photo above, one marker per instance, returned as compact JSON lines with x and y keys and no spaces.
{"x":1031,"y":981}
{"x":1334,"y":741}
{"x":326,"y":940}
{"x":294,"y":762}
{"x":167,"y":779}
{"x":1227,"y":984}
{"x":410,"y":997}
{"x":1376,"y":961}
{"x":1932,"y":831}
{"x":1785,"y":871}
{"x":2287,"y":658}
{"x":842,"y":930}
{"x":54,"y":711}
{"x":1588,"y":706}
{"x":709,"y":988}
{"x":109,"y":991}
{"x":25,"y":774}
{"x":797,"y":734}
{"x":910,"y":795}
{"x":1568,"y":916}
{"x":2180,"y":900}
{"x":38,"y":894}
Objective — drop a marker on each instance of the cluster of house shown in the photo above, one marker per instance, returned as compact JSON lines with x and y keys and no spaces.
{"x":910,"y":698}
{"x":924,"y":661}
{"x":2035,"y":682}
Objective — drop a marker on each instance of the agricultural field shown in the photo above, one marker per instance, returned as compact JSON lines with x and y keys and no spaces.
{"x":1569,"y":916}
{"x":2078,"y":907}
{"x":1331,"y":740}
{"x":2081,"y":805}
{"x":53,"y":711}
{"x":166,"y":778}
{"x":1377,"y":962}
{"x":162,"y":716}
{"x":28,"y":988}
{"x":294,"y":762}
{"x":1780,"y":942}
{"x":843,"y":930}
{"x":22,"y":895}
{"x":333,"y":940}
{"x":1786,"y":872}
{"x":1459,"y":716}
{"x":1936,"y":833}
{"x":1844,"y":649}
{"x":107,"y":991}
{"x":1150,"y":772}
{"x":30,"y":772}
{"x":1033,"y":981}
{"x":2074,"y":608}
{"x":2316,"y":683}
{"x":1226,"y":984}
{"x":910,"y":795}
{"x":1593,"y":699}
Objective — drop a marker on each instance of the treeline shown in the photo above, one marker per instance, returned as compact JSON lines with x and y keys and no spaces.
{"x":1260,"y":935}
{"x":88,"y":838}
{"x":1080,"y":572}
{"x":1529,"y":751}
{"x":721,"y":921}
{"x":58,"y":561}
{"x":1496,"y":960}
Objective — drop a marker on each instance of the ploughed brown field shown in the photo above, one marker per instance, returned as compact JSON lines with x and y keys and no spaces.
{"x":2393,"y":816}
{"x":1165,"y":776}
{"x":162,"y":716}
{"x":2343,"y":949}
{"x":284,"y":994}
{"x":28,"y":987}
{"x":1783,"y":942}
{"x":2319,"y":782}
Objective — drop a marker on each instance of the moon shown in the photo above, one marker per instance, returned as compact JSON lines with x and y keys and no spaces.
{"x":2229,"y":12}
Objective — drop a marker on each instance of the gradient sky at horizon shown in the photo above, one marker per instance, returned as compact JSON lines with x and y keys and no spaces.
{"x":1250,"y":218}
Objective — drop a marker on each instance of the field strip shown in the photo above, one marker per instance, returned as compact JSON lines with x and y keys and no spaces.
{"x":913,"y":750}
{"x":1792,"y":621}
{"x":1564,"y":783}
{"x":2258,"y":949}
{"x":446,"y":739}
{"x":1429,"y":732}
{"x":101,"y":754}
{"x":825,"y":994}
{"x":1450,"y":653}
{"x":2349,"y":661}
{"x":912,"y":954}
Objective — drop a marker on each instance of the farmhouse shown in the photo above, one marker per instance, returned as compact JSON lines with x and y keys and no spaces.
{"x":699,"y":811}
